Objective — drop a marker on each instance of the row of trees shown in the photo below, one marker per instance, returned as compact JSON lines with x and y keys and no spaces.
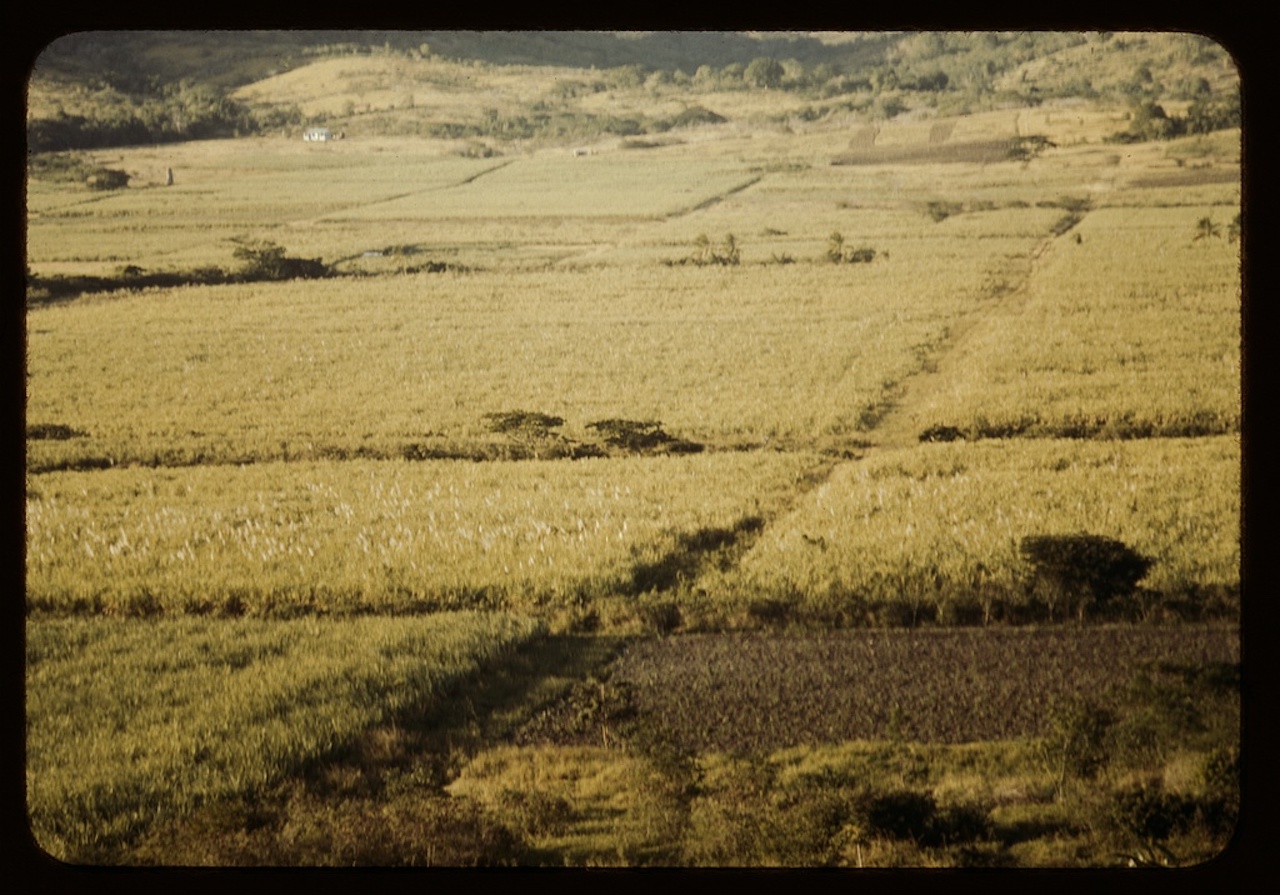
{"x":182,"y":111}
{"x":1149,"y":121}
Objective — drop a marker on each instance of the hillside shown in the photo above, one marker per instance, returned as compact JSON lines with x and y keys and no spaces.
{"x":98,"y":89}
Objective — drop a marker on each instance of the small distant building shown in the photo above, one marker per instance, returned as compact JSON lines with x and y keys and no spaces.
{"x":317,"y":135}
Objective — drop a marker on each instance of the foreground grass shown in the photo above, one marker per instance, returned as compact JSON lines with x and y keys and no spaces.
{"x":552,"y":758}
{"x":1143,"y":769}
{"x":133,"y":722}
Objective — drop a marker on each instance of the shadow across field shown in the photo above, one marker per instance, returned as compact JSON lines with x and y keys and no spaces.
{"x":381,"y":800}
{"x":695,"y":551}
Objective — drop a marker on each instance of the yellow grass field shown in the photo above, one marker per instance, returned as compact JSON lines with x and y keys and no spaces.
{"x":875,"y":347}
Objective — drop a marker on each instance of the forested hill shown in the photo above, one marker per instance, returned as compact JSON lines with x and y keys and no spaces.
{"x":135,"y":60}
{"x":94,"y":89}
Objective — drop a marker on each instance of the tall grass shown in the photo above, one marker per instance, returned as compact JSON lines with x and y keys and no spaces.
{"x":281,"y":539}
{"x":314,"y":369}
{"x":937,"y":527}
{"x":130,"y":723}
{"x":1132,"y":332}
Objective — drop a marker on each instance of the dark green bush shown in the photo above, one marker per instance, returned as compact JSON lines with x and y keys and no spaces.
{"x":900,"y":814}
{"x":1077,"y":743}
{"x":641,"y":436}
{"x":942,"y":433}
{"x":1082,"y":569}
{"x":771,"y":610}
{"x":107,"y":179}
{"x":694,"y":115}
{"x":524,"y":423}
{"x":941,"y":210}
{"x":965,"y":822}
{"x":661,"y":615}
{"x":264,"y":260}
{"x":839,"y":253}
{"x":1147,"y":816}
{"x":533,"y":813}
{"x":1024,"y":149}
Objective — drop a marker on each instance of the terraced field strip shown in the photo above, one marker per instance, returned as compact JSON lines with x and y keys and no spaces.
{"x":902,"y":425}
{"x":432,"y":188}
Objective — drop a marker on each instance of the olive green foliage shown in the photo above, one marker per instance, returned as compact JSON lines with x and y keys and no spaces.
{"x":107,"y":179}
{"x":523,"y":423}
{"x":1148,"y":120}
{"x":705,"y":252}
{"x":74,"y":167}
{"x":155,"y":113}
{"x":940,"y":210}
{"x":900,"y":814}
{"x":1025,"y":148}
{"x":641,"y":436}
{"x":1206,"y":228}
{"x":838,"y":252}
{"x":763,"y":72}
{"x":1077,"y":746}
{"x":1082,"y":570}
{"x":265,"y":260}
{"x":1147,"y":816}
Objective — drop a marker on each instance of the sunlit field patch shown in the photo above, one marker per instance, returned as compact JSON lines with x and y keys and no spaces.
{"x":1132,"y":331}
{"x":937,"y":529}
{"x":283,"y":539}
{"x":301,"y":370}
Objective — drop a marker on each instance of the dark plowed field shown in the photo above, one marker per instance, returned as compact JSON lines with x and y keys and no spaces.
{"x":766,"y":691}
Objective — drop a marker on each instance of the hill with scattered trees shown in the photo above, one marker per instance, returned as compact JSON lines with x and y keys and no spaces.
{"x":91,"y":90}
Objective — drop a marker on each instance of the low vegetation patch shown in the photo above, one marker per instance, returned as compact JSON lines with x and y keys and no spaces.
{"x":705,"y":252}
{"x":262,"y":261}
{"x":839,"y":253}
{"x":1058,"y":792}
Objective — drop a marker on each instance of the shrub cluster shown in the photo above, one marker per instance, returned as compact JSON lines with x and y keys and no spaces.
{"x":706,"y":253}
{"x":839,"y":253}
{"x":1149,"y":121}
{"x":1082,"y":570}
{"x":536,"y":432}
{"x":264,"y":260}
{"x":641,"y":436}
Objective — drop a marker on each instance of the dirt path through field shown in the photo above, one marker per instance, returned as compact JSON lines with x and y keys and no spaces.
{"x":902,"y":425}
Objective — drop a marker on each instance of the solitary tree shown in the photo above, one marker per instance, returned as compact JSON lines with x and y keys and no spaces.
{"x":835,"y":246}
{"x":764,"y":72}
{"x":1206,"y":228}
{"x":1084,"y":570}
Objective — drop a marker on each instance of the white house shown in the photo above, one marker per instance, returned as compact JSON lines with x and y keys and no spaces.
{"x":317,"y":135}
